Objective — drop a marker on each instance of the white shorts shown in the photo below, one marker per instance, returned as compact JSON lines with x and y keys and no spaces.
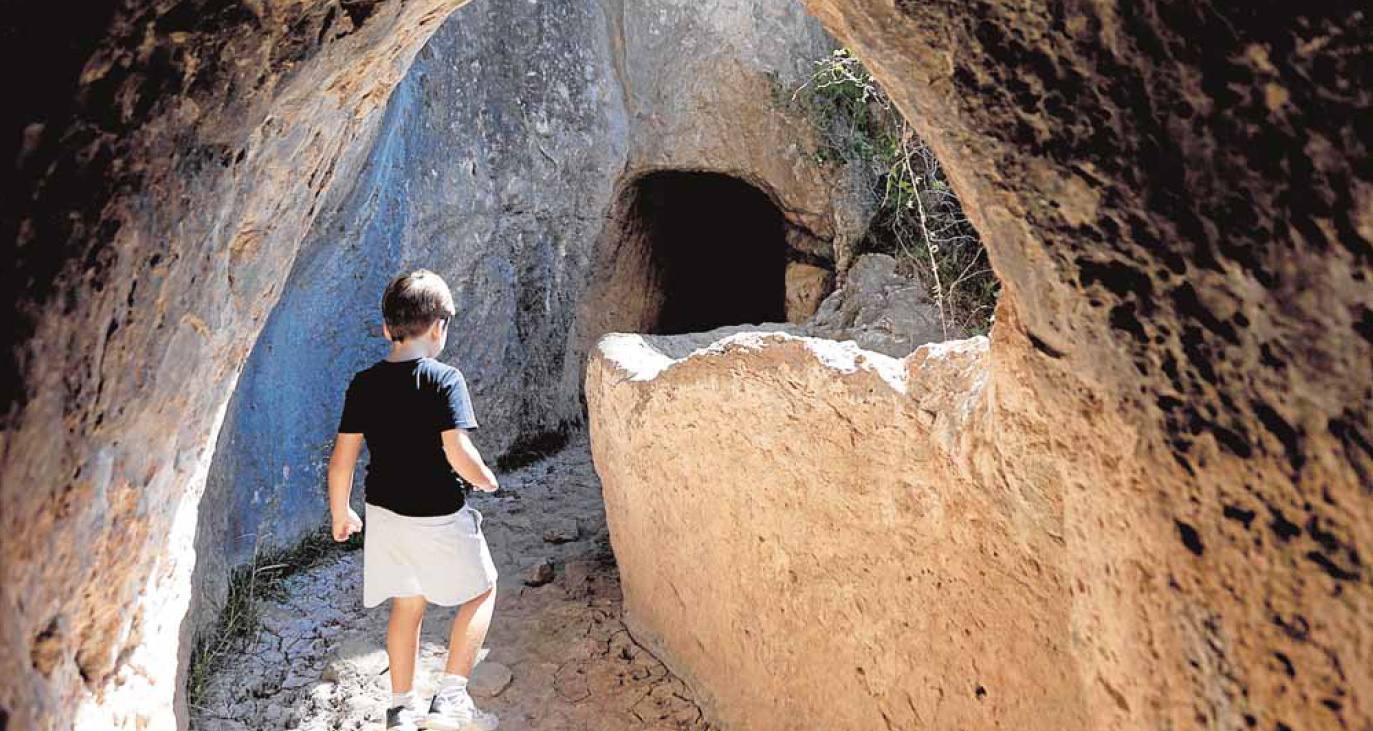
{"x":443,"y":558}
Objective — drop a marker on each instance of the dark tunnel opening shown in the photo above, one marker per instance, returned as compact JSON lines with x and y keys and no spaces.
{"x":717,"y":250}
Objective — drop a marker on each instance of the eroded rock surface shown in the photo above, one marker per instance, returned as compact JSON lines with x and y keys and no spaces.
{"x":1179,"y":385}
{"x":798,"y":528}
{"x":169,"y":163}
{"x":879,"y":309}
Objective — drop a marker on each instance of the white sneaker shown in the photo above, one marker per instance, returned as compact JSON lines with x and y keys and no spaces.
{"x":402,"y":718}
{"x":453,"y":710}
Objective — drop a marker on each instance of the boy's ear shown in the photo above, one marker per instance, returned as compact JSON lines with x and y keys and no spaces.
{"x":436,"y":329}
{"x":385,"y":332}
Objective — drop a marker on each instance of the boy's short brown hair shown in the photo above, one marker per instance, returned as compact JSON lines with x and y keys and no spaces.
{"x":413,"y":301}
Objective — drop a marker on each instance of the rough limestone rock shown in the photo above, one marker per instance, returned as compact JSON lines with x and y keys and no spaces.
{"x":357,"y":658}
{"x":807,"y":286}
{"x":538,"y":573}
{"x":169,"y":161}
{"x":1184,"y":233}
{"x":564,"y":531}
{"x":489,"y":679}
{"x":795,"y":538}
{"x":1172,"y":426}
{"x":879,"y":309}
{"x":1182,"y":363}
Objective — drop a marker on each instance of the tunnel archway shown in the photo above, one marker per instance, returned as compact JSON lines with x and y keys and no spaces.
{"x":686,"y":251}
{"x":691,"y":251}
{"x":717,"y":250}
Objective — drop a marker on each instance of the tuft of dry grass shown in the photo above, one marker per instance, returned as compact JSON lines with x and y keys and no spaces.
{"x":260,"y":580}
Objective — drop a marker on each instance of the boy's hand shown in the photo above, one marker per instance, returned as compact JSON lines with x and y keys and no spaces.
{"x":467,"y":461}
{"x":346,"y":525}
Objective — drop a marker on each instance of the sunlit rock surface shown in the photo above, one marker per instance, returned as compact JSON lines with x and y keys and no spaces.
{"x":1178,"y":389}
{"x":802,"y":531}
{"x":173,"y":157}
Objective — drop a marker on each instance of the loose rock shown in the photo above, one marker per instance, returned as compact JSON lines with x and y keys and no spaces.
{"x":565,"y":531}
{"x":538,"y":574}
{"x":356,"y":658}
{"x":489,"y":679}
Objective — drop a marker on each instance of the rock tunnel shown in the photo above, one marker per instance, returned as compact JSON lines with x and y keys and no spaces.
{"x":1152,"y":479}
{"x":689,"y":251}
{"x":718,"y":251}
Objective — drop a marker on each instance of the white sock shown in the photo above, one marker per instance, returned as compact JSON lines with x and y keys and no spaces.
{"x":452,"y":684}
{"x":403,"y":699}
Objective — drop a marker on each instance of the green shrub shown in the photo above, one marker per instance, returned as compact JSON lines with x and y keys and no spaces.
{"x":916,"y":217}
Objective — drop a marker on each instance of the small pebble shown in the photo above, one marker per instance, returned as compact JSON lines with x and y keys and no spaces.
{"x":538,"y":574}
{"x":565,"y":531}
{"x":489,"y":679}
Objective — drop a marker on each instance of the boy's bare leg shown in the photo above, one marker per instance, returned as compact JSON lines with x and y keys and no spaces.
{"x":403,"y":640}
{"x":469,"y":631}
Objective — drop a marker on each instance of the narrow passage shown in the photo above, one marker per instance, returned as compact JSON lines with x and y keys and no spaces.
{"x":318,"y":662}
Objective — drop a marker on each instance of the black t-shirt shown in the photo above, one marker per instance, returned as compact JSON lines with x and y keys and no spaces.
{"x":401,"y":408}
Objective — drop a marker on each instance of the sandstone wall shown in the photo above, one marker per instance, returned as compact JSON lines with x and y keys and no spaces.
{"x":798,"y":531}
{"x":169,"y":163}
{"x":1180,"y":378}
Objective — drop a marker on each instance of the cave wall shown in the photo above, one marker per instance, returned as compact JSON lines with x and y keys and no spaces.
{"x":159,"y":202}
{"x":1177,"y":201}
{"x":496,"y":150}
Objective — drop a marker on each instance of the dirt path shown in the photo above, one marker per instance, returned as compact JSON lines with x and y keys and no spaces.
{"x":319,"y":661}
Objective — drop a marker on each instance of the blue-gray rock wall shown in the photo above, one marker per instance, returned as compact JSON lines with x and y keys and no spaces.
{"x":497,"y":154}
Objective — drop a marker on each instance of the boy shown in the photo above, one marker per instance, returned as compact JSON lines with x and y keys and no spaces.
{"x":423,"y":542}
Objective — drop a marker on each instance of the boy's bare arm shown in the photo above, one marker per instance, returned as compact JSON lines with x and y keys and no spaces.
{"x":467,"y":461}
{"x":341,"y":463}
